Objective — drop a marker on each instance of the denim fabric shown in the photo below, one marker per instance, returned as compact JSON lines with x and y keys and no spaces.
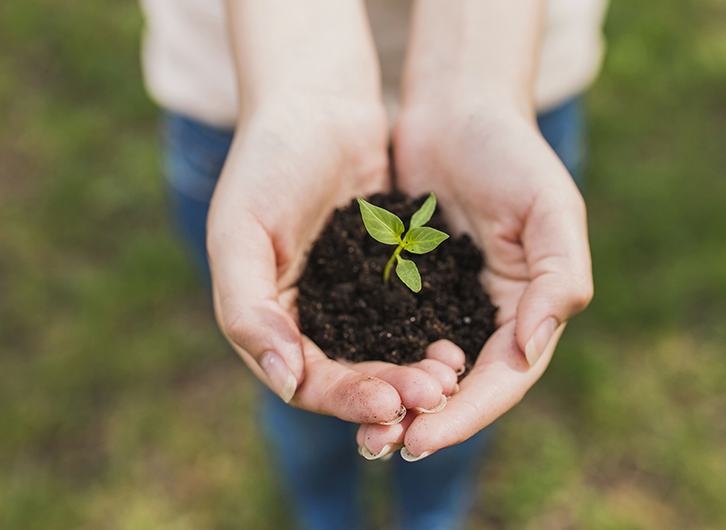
{"x":317,"y":455}
{"x":563,"y":128}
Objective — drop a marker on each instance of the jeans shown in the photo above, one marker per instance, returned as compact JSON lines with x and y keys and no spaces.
{"x":317,"y":455}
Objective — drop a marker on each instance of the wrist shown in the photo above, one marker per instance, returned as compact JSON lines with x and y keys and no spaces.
{"x":319,"y":91}
{"x":448,"y":133}
{"x":345,"y":137}
{"x":464,"y":96}
{"x":455,"y":114}
{"x":315,"y":111}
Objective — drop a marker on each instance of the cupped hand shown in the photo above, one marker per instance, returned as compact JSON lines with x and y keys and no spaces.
{"x":291,"y":163}
{"x":498,"y":180}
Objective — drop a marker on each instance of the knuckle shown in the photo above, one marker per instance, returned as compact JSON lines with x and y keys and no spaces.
{"x":583,"y":292}
{"x":234,"y":326}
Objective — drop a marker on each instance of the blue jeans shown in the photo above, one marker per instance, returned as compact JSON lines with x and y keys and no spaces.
{"x":317,"y":455}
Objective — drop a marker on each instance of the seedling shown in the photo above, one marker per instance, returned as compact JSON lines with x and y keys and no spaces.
{"x":387,"y":228}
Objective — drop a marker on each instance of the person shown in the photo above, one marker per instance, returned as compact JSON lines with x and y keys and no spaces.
{"x":276,"y":115}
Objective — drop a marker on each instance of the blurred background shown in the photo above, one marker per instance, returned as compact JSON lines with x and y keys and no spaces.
{"x":122,"y":408}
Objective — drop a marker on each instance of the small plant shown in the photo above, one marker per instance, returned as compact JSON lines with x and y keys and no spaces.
{"x":387,"y":228}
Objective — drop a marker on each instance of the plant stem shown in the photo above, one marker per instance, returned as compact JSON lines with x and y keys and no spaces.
{"x":387,"y":270}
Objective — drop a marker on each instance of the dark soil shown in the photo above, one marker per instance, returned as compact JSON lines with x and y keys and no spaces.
{"x":347,"y":310}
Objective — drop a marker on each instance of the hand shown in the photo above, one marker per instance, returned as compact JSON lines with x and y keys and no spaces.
{"x":290,"y":165}
{"x":312,"y":134}
{"x":498,"y":180}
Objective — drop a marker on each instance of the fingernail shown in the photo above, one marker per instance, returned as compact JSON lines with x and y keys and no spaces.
{"x":408,"y":457}
{"x":397,"y":419}
{"x":437,"y":408}
{"x":281,"y":379}
{"x":461,"y":370}
{"x":368,"y":455}
{"x":456,"y":389}
{"x":537,"y":344}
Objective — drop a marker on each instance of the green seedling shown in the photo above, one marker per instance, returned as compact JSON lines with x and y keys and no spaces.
{"x":387,"y":228}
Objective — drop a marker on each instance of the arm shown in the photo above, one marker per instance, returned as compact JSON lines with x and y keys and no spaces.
{"x":319,"y":49}
{"x":471,"y":52}
{"x":467,"y":131}
{"x":311,"y":135}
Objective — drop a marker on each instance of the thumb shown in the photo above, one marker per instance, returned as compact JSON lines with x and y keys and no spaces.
{"x":558,"y":260}
{"x":244,"y":284}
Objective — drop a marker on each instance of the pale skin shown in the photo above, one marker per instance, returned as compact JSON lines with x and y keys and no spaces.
{"x":312,"y":126}
{"x":311,"y":135}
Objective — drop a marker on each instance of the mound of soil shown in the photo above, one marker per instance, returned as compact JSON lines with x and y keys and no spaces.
{"x":346,"y":309}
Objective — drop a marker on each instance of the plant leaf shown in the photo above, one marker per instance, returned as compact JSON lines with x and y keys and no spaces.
{"x":408,"y":272}
{"x":382,"y":225}
{"x":422,"y":216}
{"x":423,"y":239}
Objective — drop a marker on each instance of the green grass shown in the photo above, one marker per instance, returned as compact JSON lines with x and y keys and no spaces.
{"x":121,"y":407}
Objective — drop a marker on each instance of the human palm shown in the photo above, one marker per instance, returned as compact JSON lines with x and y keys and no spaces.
{"x":290,"y":165}
{"x":499,"y":181}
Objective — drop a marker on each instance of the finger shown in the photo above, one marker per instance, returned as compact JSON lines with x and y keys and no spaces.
{"x":417,"y":388}
{"x":498,"y":381}
{"x":336,"y":390}
{"x":360,"y":434}
{"x":378,"y":441}
{"x":444,"y":374}
{"x":558,"y":259}
{"x":448,"y":353}
{"x":332,"y":389}
{"x":244,"y":284}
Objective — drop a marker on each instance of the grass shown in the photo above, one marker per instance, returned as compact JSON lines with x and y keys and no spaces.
{"x":121,"y":407}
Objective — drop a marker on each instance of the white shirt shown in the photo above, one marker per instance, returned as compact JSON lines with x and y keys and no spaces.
{"x":188,"y":65}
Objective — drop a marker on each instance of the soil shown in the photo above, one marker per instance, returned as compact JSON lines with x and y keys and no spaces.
{"x":346,"y":309}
